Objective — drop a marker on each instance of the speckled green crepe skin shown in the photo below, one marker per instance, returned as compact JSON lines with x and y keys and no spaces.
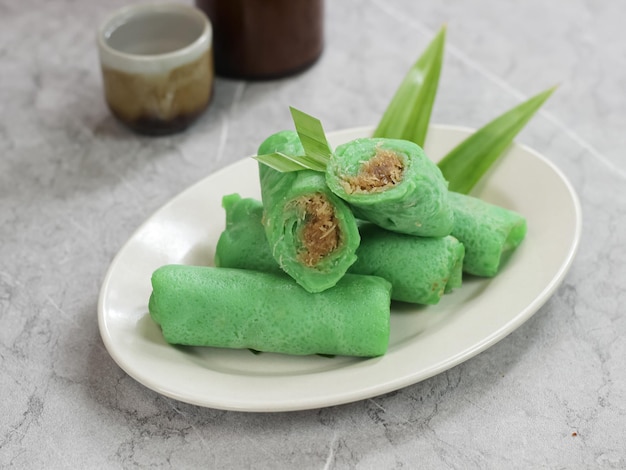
{"x":231,"y":308}
{"x":418,"y":268}
{"x":490,"y":233}
{"x":243,"y":243}
{"x":283,"y":220}
{"x":418,"y":205}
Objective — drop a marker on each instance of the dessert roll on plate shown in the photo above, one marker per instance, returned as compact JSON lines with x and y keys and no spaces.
{"x":243,"y":244}
{"x":489,"y":233}
{"x":236,"y":308}
{"x":393,"y":184}
{"x":312,"y":233}
{"x":421,"y":269}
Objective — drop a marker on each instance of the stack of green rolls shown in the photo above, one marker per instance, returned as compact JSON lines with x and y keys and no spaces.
{"x":419,"y":269}
{"x":314,"y":266}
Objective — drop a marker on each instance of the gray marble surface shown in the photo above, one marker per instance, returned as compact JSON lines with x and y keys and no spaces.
{"x":74,"y":186}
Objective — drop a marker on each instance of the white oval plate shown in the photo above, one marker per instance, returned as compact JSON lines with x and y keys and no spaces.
{"x":424,"y":340}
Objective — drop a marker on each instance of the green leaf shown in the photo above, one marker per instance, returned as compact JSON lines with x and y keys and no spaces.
{"x":316,"y":148}
{"x":464,"y":165}
{"x":312,"y":136}
{"x":408,"y":114}
{"x":286,"y":163}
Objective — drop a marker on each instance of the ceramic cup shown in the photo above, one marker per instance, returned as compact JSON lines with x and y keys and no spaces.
{"x":157,"y":66}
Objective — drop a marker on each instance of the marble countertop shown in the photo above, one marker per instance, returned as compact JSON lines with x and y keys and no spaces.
{"x":74,"y":185}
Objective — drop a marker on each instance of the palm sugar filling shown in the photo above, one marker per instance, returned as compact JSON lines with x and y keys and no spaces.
{"x":320,"y":234}
{"x":383,"y":171}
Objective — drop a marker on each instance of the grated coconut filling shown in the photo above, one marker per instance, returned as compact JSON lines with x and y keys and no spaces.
{"x":383,"y":171}
{"x":320,"y":234}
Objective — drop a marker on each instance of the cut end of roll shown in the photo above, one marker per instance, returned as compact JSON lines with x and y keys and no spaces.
{"x":320,"y":234}
{"x":383,"y":171}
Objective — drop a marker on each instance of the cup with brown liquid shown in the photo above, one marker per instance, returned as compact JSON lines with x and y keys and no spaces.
{"x":157,"y":66}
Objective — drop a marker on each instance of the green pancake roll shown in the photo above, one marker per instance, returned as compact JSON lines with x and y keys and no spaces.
{"x":419,"y":269}
{"x":393,"y":184}
{"x":489,"y":233}
{"x":243,"y":243}
{"x":312,"y":234}
{"x":234,"y":308}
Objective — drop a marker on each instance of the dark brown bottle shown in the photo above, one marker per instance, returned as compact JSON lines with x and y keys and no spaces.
{"x":264,"y":39}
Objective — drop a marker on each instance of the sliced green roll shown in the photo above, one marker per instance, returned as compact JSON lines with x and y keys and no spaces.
{"x":419,"y":269}
{"x":489,"y":233}
{"x":313,"y":234}
{"x":232,"y":308}
{"x":393,"y":184}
